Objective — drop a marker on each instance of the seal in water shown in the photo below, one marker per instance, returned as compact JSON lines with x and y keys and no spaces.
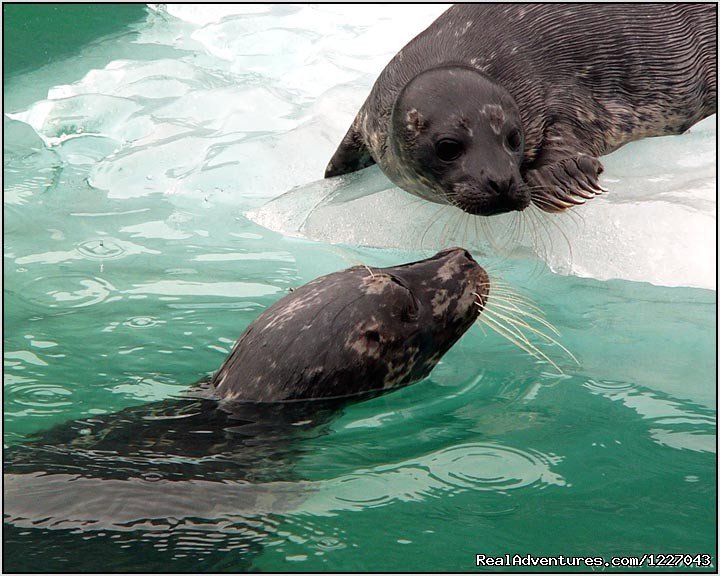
{"x":173,"y":471}
{"x":356,"y":331}
{"x":177,"y":472}
{"x":497,"y":105}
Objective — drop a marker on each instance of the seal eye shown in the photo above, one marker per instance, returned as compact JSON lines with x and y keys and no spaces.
{"x":373,"y":336}
{"x":448,"y":149}
{"x":513,"y":140}
{"x":409,"y":312}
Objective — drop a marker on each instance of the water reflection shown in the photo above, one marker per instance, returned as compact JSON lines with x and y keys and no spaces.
{"x":191,"y":477}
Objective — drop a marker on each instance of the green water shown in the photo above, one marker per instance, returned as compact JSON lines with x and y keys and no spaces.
{"x":37,"y":34}
{"x":115,"y":302}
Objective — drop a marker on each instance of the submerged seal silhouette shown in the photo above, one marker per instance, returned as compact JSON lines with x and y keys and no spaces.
{"x":497,"y":105}
{"x":358,"y":330}
{"x":228,"y":449}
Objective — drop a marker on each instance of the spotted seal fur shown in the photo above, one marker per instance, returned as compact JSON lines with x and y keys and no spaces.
{"x":226,"y":452}
{"x":356,"y":331}
{"x":497,"y":105}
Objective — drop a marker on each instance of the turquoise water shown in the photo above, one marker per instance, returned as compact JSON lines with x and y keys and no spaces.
{"x":130,"y":269}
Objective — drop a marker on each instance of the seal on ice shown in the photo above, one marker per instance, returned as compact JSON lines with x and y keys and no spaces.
{"x":495,"y":106}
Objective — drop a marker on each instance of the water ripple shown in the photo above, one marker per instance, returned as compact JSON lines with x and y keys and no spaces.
{"x":101,"y":249}
{"x":58,"y":294}
{"x":71,"y":290}
{"x":475,"y":466}
{"x":329,"y":543}
{"x":40,"y":398}
{"x":486,"y":466}
{"x":608,"y":387}
{"x":142,"y":322}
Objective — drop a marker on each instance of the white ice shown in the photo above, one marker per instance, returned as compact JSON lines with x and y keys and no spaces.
{"x":236,"y":105}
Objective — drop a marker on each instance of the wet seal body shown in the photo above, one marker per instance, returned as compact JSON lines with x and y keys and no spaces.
{"x":360,"y":330}
{"x":226,"y":452}
{"x":497,"y":105}
{"x":171,"y":471}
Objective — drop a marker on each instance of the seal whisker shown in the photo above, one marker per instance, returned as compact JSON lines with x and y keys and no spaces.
{"x":516,"y":230}
{"x":489,"y":237}
{"x":458,"y":217}
{"x":514,"y":309}
{"x":517,"y":338}
{"x":541,"y":238}
{"x":509,"y":298}
{"x":494,"y":323}
{"x":413,"y":201}
{"x":530,"y":223}
{"x":458,"y":226}
{"x":519,"y":228}
{"x":477,"y":234}
{"x":431,"y":222}
{"x":553,"y":222}
{"x":444,"y":232}
{"x":543,"y":196}
{"x":501,"y":287}
{"x":392,"y":325}
{"x":452,"y":196}
{"x":521,"y":323}
{"x":542,"y":335}
{"x":514,"y":317}
{"x":450,"y":217}
{"x":516,"y":305}
{"x":467,"y":119}
{"x":550,"y":204}
{"x":466,"y":218}
{"x":529,"y":232}
{"x":517,"y":326}
{"x":542,"y":242}
{"x":462,"y":217}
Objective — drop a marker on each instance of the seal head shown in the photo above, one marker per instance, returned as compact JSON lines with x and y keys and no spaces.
{"x":456,"y":137}
{"x":443,"y":118}
{"x":356,"y":331}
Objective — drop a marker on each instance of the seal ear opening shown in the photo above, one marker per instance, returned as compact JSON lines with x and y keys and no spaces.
{"x":351,"y":155}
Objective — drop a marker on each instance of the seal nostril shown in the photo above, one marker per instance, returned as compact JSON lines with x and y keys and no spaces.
{"x":501,"y":187}
{"x":373,"y":336}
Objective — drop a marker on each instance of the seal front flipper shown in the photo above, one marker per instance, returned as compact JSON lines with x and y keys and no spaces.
{"x":352,"y":154}
{"x":557,"y":186}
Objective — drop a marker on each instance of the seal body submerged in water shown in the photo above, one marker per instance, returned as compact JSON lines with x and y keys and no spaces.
{"x":155,"y":473}
{"x":497,"y":105}
{"x":356,"y":331}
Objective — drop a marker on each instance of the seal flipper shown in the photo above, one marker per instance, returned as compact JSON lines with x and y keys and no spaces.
{"x":560,"y":185}
{"x":566,"y":171}
{"x":352,"y":154}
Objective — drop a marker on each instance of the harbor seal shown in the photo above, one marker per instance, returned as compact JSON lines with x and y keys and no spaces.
{"x":223,"y":456}
{"x":170,"y":471}
{"x":356,"y":331}
{"x":495,"y":106}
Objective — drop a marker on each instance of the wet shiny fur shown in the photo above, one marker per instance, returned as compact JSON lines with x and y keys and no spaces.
{"x":356,"y":331}
{"x":221,"y":461}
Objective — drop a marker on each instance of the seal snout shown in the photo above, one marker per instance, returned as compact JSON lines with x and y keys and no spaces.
{"x":458,"y":259}
{"x":482,"y":288}
{"x":469,"y":275}
{"x":457,"y":252}
{"x":491,"y":195}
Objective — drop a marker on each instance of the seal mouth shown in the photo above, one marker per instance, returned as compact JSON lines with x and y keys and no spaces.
{"x":489,"y":200}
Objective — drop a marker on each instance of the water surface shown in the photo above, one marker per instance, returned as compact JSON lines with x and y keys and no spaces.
{"x":131,"y":267}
